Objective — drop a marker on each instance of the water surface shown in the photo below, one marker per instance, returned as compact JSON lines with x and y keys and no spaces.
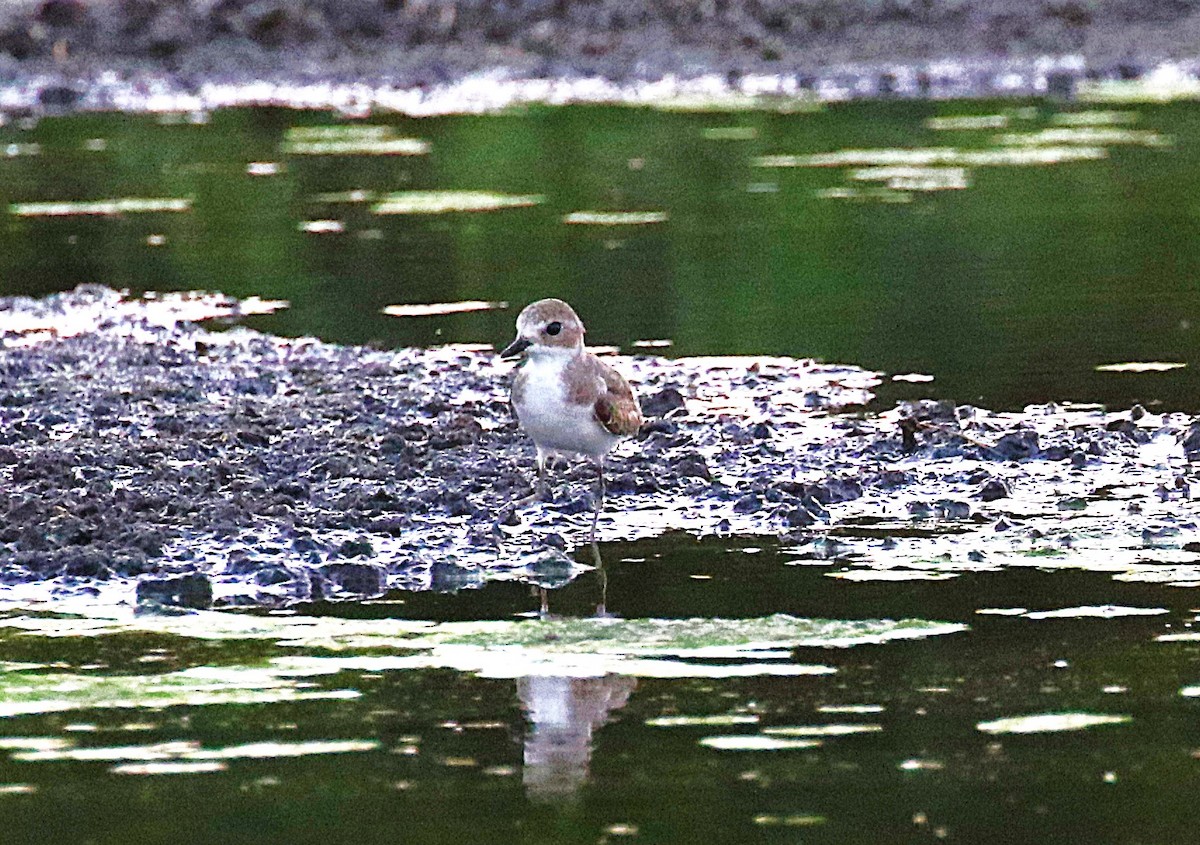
{"x":1042,"y":241}
{"x":898,"y":740}
{"x":1006,"y":249}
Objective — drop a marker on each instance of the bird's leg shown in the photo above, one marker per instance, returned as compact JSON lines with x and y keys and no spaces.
{"x":602,"y":607}
{"x":539,"y":487}
{"x":599,"y":497}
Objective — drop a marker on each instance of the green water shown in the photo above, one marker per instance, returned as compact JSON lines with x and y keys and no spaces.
{"x":351,"y":740}
{"x":1007,"y":292}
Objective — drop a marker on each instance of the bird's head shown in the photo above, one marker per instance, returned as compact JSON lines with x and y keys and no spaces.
{"x":546,"y":326}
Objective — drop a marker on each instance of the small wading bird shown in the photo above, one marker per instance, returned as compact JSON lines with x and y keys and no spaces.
{"x":568,"y":400}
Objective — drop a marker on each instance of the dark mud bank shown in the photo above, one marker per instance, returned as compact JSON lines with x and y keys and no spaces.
{"x":453,"y":56}
{"x":142,"y":455}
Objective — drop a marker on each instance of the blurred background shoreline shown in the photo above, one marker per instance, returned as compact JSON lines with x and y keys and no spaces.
{"x":156,"y":54}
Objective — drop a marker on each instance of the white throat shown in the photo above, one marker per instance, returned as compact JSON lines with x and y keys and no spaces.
{"x":553,"y":353}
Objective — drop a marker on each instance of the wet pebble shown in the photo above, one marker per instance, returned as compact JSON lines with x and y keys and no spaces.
{"x":1191,"y":441}
{"x":549,"y":568}
{"x":193,"y":591}
{"x":1017,"y":445}
{"x":1128,"y":428}
{"x":993,"y":489}
{"x":919,"y":510}
{"x":692,"y":465}
{"x":275,"y":573}
{"x":794,"y":517}
{"x":658,"y":426}
{"x":86,"y":563}
{"x":833,"y":490}
{"x":448,"y":577}
{"x":660,"y":403}
{"x":815,"y":508}
{"x":952,"y":509}
{"x":353,"y":578}
{"x":749,"y":503}
{"x":554,"y":540}
{"x":356,"y":547}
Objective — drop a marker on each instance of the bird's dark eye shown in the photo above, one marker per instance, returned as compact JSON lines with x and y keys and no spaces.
{"x":554,"y":328}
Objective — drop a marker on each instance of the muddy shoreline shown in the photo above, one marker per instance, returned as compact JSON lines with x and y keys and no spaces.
{"x":450,"y":56}
{"x":146,"y":457}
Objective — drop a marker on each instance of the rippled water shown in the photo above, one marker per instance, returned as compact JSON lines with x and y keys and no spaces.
{"x":994,"y":721}
{"x":1005,"y":249}
{"x":735,"y":692}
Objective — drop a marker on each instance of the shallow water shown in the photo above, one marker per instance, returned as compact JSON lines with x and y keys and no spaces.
{"x":1048,"y":695}
{"x":293,"y":728}
{"x":1004,"y":248}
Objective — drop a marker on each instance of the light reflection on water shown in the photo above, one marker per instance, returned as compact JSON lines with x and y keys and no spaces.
{"x":1054,"y":244}
{"x":1036,"y":715}
{"x":1051,"y":238}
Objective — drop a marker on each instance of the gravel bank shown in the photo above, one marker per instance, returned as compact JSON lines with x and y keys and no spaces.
{"x":146,"y":456}
{"x":435,"y":55}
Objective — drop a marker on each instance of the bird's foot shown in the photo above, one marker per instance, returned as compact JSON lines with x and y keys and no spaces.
{"x":541,"y":493}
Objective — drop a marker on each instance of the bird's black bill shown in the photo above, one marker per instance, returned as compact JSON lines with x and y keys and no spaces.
{"x":515,"y":348}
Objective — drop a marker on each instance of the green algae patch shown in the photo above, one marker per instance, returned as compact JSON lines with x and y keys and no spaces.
{"x":822,"y":730}
{"x":730,"y":133}
{"x":296,"y":648}
{"x":755,"y":742}
{"x":351,"y":140}
{"x":1031,"y":156}
{"x":1050,"y":723}
{"x":192,"y":751}
{"x":700,"y":638}
{"x":101,"y":208}
{"x":967,"y":122}
{"x":646,"y":648}
{"x":734,"y":101}
{"x":441,"y":309}
{"x":1042,"y":551}
{"x":451,"y":202}
{"x":795,"y":820}
{"x":695,"y":638}
{"x":1140,"y":367}
{"x":718,"y":720}
{"x":615,"y":218}
{"x":27,"y":693}
{"x":1087,"y":135}
{"x":1095,"y":117}
{"x":1105,"y":611}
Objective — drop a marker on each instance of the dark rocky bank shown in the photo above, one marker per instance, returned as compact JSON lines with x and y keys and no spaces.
{"x":231,"y":467}
{"x":110,"y":53}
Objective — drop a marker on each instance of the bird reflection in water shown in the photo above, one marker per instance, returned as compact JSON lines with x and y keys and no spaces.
{"x":545,"y":585}
{"x":563,"y":715}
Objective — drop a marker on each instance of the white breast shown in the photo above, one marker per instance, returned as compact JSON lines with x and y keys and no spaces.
{"x":555,"y":424}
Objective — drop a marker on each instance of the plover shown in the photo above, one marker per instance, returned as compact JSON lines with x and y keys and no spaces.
{"x":566,"y":399}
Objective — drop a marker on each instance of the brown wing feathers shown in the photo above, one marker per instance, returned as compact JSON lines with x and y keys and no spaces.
{"x":617,"y":408}
{"x":612,"y":398}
